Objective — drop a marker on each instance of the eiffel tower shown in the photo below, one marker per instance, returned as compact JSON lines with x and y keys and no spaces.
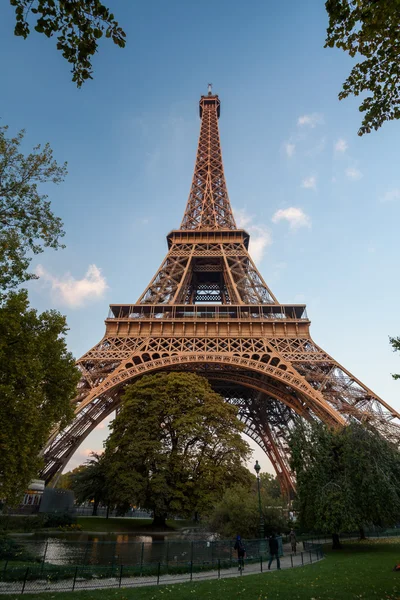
{"x":208,"y":310}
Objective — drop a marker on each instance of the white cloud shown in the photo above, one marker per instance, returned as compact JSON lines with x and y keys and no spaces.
{"x":289,"y":149}
{"x":353,"y":173}
{"x":260,"y":236}
{"x":242,"y":218}
{"x":311,"y":120}
{"x":75,"y":292}
{"x":341,"y":145}
{"x":294,"y":216}
{"x":309,"y":183}
{"x":260,"y":240}
{"x":391,"y":195}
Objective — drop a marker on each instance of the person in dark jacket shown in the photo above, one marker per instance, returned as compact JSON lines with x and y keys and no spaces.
{"x":241,"y":551}
{"x":273,"y":551}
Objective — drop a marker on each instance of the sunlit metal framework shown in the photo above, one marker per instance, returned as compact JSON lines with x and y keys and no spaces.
{"x":209,"y":310}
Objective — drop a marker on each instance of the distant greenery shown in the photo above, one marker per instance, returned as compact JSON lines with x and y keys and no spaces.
{"x":28,"y":523}
{"x":347,"y":478}
{"x":369,"y":29}
{"x":78,"y":25}
{"x":237,"y":512}
{"x":360,"y":571}
{"x":88,"y":482}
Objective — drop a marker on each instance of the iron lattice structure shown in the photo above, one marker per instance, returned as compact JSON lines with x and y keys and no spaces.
{"x":209,"y":310}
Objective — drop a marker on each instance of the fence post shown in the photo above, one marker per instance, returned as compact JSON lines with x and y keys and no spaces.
{"x":25,"y":578}
{"x":310,"y":557}
{"x":191,"y":551}
{"x":261,"y":565}
{"x":120,"y":575}
{"x":219,"y":568}
{"x":45,"y":552}
{"x":167,"y":555}
{"x":302,"y":559}
{"x":75,"y":575}
{"x":291,"y":559}
{"x":141,"y":559}
{"x":158,"y":573}
{"x":191,"y":570}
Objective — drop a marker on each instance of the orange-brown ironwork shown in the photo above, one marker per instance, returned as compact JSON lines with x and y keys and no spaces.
{"x":209,"y":310}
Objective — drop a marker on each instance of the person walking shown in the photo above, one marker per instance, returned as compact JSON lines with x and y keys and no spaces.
{"x":241,"y":552}
{"x":293,"y":540}
{"x":274,"y":552}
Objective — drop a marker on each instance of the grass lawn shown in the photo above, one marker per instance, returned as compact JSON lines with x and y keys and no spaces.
{"x":117,"y":525}
{"x":359,"y":571}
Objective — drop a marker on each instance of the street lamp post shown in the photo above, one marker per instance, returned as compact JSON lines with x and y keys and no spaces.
{"x":257,"y":469}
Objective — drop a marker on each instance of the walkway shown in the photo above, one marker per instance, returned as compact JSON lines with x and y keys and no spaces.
{"x":40,"y":586}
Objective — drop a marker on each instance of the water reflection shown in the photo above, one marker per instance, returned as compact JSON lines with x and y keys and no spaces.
{"x":126,"y":549}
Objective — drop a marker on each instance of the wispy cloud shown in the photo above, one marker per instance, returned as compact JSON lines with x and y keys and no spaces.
{"x":296,"y":217}
{"x":289,"y":149}
{"x":260,"y":236}
{"x":75,"y":292}
{"x":311,"y":120}
{"x":391,"y":195}
{"x":353,"y":173}
{"x":309,"y":183}
{"x":341,"y":145}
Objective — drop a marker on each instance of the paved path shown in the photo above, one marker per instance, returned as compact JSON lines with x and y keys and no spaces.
{"x":287,"y":562}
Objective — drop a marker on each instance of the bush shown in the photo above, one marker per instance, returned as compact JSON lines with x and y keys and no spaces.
{"x":58,"y":519}
{"x":11,"y":550}
{"x":28,"y":523}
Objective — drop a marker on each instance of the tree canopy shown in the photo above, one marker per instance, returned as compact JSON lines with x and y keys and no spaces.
{"x":370,"y":29}
{"x":238,"y":513}
{"x":78,"y":24}
{"x":175,"y":446}
{"x":27,"y":224}
{"x":38,"y":379}
{"x":88,"y":482}
{"x":347,"y":478}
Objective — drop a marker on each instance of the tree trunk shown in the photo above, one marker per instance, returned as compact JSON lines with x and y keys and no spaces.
{"x":362,"y":534}
{"x":108,"y":510}
{"x":95,"y":507}
{"x":336,"y":545}
{"x":159,"y":520}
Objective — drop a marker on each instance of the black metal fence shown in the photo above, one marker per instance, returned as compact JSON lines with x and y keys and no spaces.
{"x":45,"y":576}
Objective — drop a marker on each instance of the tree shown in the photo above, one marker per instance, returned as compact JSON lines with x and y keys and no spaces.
{"x":346,"y":478}
{"x":395,"y":342}
{"x":238,"y":512}
{"x":175,"y":446}
{"x":78,"y":24}
{"x":369,"y":28}
{"x":64,"y":481}
{"x":27,"y":224}
{"x":38,"y":378}
{"x":89,"y":483}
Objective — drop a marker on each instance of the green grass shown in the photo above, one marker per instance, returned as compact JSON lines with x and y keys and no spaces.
{"x":358,"y":572}
{"x":118,"y":525}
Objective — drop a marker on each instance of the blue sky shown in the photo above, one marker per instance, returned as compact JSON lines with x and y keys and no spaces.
{"x":322,"y":204}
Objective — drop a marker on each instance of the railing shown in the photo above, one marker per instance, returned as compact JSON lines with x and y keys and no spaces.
{"x":223,"y":312}
{"x":46,"y":576}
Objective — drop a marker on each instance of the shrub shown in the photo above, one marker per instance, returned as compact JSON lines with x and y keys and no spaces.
{"x":11,"y":550}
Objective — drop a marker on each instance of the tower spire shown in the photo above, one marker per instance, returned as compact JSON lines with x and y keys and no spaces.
{"x":208,"y":206}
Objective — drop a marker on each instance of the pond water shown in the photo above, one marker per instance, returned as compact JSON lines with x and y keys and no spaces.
{"x":124,"y":548}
